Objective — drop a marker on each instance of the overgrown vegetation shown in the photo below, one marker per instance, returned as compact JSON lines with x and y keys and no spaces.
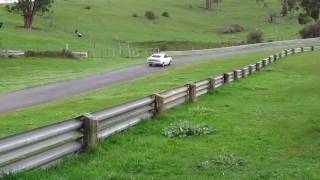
{"x":150,"y":15}
{"x":311,"y":30}
{"x":223,"y":160}
{"x":184,"y":129}
{"x":233,"y":28}
{"x":165,"y":14}
{"x":255,"y":36}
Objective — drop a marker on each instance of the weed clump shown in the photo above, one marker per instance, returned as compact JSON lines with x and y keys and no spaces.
{"x":255,"y":36}
{"x":233,"y":28}
{"x":87,"y":7}
{"x":223,"y":160}
{"x":165,"y":14}
{"x":183,"y":129}
{"x":150,"y":15}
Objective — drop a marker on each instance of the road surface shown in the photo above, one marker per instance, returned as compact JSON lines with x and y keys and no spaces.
{"x":56,"y":91}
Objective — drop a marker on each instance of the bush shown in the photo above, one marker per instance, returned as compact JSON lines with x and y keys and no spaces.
{"x":304,"y":19}
{"x":150,"y":15}
{"x":311,"y":30}
{"x":255,"y":36}
{"x":233,"y":28}
{"x":165,"y":14}
{"x":87,"y":7}
{"x":184,"y":129}
{"x":134,"y":15}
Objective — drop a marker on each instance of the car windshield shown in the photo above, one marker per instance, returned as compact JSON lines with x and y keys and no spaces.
{"x":156,"y":56}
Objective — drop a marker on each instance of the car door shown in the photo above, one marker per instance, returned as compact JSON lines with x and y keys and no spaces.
{"x":166,"y":59}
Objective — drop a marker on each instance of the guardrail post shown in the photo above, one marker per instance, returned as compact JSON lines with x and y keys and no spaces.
{"x":293,"y":50}
{"x":226,"y":77}
{"x":312,"y":48}
{"x":302,"y":49}
{"x":90,"y":130}
{"x":250,"y":70}
{"x":286,"y":52}
{"x":235,"y":75}
{"x":212,"y":83}
{"x":280,"y":55}
{"x":193,"y":92}
{"x":264,"y":63}
{"x":275,"y":57}
{"x":159,"y":104}
{"x":258,"y":66}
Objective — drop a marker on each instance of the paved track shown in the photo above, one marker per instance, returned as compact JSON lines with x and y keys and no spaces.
{"x":47,"y":93}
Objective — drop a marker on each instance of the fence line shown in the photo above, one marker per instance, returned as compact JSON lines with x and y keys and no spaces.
{"x":44,"y":146}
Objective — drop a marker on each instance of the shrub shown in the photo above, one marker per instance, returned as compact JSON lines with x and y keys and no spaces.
{"x":311,"y":30}
{"x":165,"y":14}
{"x":150,"y":15}
{"x":255,"y":36}
{"x":233,"y":28}
{"x":87,"y":7}
{"x":184,"y":129}
{"x":304,"y":19}
{"x":134,"y":15}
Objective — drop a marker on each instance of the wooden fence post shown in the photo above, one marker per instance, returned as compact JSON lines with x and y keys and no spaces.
{"x":293,"y":50}
{"x":280,"y":55}
{"x":286,"y":52}
{"x":250,"y":70}
{"x":212,"y":83}
{"x":258,"y":66}
{"x":302,"y":49}
{"x":270,"y":60}
{"x":235,"y":75}
{"x":193,"y":92}
{"x":90,"y":130}
{"x":264,"y":63}
{"x":275,"y":57}
{"x":159,"y":104}
{"x":312,"y":48}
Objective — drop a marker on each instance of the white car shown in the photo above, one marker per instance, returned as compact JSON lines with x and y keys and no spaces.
{"x":159,"y":59}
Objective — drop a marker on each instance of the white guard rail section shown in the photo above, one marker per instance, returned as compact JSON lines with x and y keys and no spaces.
{"x":122,"y":117}
{"x":228,"y":77}
{"x":218,"y":81}
{"x":202,"y":87}
{"x":40,"y":147}
{"x":174,"y":97}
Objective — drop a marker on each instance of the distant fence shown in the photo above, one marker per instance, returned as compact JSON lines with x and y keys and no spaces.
{"x":44,"y":146}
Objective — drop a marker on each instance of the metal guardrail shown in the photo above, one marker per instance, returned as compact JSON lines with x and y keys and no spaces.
{"x":43,"y":146}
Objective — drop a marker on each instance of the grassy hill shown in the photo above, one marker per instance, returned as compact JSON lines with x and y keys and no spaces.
{"x":268,"y":128}
{"x":110,"y":20}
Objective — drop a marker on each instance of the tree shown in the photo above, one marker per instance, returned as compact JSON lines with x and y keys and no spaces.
{"x":29,"y":8}
{"x":289,"y":6}
{"x":311,"y":8}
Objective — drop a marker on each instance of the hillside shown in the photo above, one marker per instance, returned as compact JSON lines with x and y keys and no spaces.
{"x":106,"y":22}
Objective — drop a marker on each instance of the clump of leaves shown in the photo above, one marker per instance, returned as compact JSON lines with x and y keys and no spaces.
{"x":150,"y":15}
{"x":223,"y":160}
{"x":201,"y":110}
{"x":87,"y":7}
{"x":183,"y":129}
{"x":165,"y":14}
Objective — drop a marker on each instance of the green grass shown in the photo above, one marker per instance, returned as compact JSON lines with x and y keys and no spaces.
{"x":112,"y":19}
{"x":19,"y":73}
{"x":268,"y":128}
{"x":107,"y":20}
{"x":33,"y":117}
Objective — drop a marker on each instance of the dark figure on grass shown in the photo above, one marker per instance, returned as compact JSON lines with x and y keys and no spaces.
{"x":77,"y":33}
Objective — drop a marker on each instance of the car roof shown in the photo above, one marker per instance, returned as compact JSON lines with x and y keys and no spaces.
{"x":159,"y":54}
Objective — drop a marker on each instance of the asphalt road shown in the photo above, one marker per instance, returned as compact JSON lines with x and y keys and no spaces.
{"x":56,"y":91}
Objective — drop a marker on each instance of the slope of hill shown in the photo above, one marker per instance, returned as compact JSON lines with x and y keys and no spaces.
{"x":105,"y":23}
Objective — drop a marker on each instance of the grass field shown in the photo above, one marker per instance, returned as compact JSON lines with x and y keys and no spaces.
{"x":269,"y":122}
{"x":109,"y":22}
{"x":112,"y":20}
{"x":33,"y":117}
{"x":22,"y":73}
